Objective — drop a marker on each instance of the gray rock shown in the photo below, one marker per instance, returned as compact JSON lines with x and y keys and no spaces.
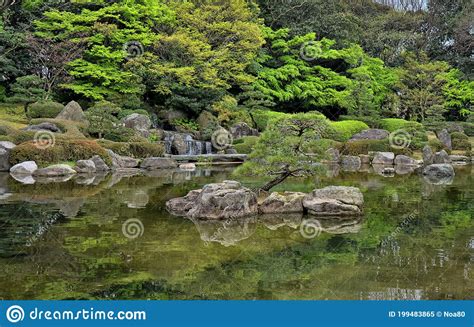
{"x":24,"y":168}
{"x":187,"y":166}
{"x":44,"y":127}
{"x":54,"y":171}
{"x":439,"y":170}
{"x":445,"y":138}
{"x":441,"y":157}
{"x":242,"y":129}
{"x":459,"y":160}
{"x":85,"y":166}
{"x":7,"y":145}
{"x":388,"y":172}
{"x":333,"y":155}
{"x":371,"y":134}
{"x":24,"y":179}
{"x":428,"y":155}
{"x":334,"y":201}
{"x":119,"y":162}
{"x":138,"y":122}
{"x":181,"y":206}
{"x":287,"y":202}
{"x":350,"y":163}
{"x":99,"y":163}
{"x":403,"y":160}
{"x":231,"y":151}
{"x":225,"y":200}
{"x":383,"y":158}
{"x":4,"y":159}
{"x":158,"y":163}
{"x":72,"y":111}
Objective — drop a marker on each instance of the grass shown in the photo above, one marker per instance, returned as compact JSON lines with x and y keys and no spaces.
{"x":13,"y":116}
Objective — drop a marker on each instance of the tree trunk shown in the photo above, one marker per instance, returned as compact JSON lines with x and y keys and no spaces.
{"x":274,"y":182}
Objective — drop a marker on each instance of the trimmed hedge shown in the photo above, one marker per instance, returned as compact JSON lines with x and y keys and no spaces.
{"x":460,"y":141}
{"x":44,"y":109}
{"x":415,"y":129}
{"x":357,"y":147}
{"x":262,"y":117}
{"x":345,"y":129}
{"x":59,"y":152}
{"x":468,"y":128}
{"x":245,"y":144}
{"x":137,"y":150}
{"x":372,"y":122}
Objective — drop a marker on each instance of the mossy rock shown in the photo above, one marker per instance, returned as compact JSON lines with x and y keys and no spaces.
{"x":345,"y":129}
{"x":137,"y":150}
{"x":460,"y":141}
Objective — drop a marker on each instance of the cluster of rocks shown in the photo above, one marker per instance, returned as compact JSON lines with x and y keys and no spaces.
{"x":231,"y":200}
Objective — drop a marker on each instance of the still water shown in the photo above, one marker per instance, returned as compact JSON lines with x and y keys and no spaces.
{"x":110,"y":237}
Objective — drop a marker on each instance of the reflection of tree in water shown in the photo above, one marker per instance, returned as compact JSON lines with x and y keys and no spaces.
{"x":22,"y":223}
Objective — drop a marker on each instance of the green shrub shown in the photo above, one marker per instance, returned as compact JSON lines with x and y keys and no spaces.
{"x":415,"y":129}
{"x":468,"y":128}
{"x":344,"y":130}
{"x":59,"y":152}
{"x":321,"y":146}
{"x":71,"y":129}
{"x":262,"y":117}
{"x":44,"y":109}
{"x":135,"y":149}
{"x":356,"y":147}
{"x":436,"y":144}
{"x":245,"y":144}
{"x":460,"y":141}
{"x":372,"y":122}
{"x":120,"y":134}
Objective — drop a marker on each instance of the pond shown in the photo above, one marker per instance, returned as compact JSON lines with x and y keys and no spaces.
{"x":110,"y":237}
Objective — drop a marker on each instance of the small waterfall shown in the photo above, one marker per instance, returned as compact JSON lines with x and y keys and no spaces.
{"x":208,"y":148}
{"x":199,"y":147}
{"x":190,"y":145}
{"x":168,"y":143}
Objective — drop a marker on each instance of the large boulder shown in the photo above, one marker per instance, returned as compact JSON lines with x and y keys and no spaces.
{"x":5,"y":148}
{"x":403,"y":160}
{"x":441,"y":157}
{"x":287,"y":202}
{"x":334,"y":201}
{"x":225,"y":200}
{"x":439,"y":170}
{"x":99,"y":163}
{"x":138,"y":122}
{"x":242,"y":129}
{"x":181,"y":206}
{"x":85,"y":167}
{"x":428,"y":155}
{"x":177,"y":143}
{"x":72,"y":111}
{"x":55,"y":170}
{"x":445,"y":139}
{"x":383,"y":158}
{"x":371,"y":134}
{"x":50,"y":127}
{"x":122,"y":162}
{"x":24,"y":168}
{"x":158,"y":163}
